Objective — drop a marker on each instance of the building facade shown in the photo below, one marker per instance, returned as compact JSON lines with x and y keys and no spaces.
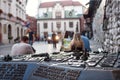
{"x":59,"y":16}
{"x":111,"y":26}
{"x":12,"y":19}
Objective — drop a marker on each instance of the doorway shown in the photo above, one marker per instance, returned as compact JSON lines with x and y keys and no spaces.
{"x":0,"y":33}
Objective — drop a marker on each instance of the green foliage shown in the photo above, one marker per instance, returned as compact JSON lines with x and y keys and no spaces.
{"x":10,"y":37}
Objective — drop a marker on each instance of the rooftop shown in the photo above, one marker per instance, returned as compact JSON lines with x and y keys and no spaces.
{"x":63,"y":3}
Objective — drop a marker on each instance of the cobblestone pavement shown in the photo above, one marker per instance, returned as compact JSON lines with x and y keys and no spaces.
{"x":42,"y":47}
{"x":5,"y":49}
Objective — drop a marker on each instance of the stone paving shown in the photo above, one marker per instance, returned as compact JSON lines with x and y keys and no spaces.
{"x":5,"y":49}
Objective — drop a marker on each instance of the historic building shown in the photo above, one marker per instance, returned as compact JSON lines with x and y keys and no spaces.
{"x":12,"y":19}
{"x":59,"y":16}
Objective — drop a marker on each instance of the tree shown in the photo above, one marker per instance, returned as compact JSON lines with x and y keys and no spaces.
{"x":10,"y":38}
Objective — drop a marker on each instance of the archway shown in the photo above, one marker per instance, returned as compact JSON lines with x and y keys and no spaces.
{"x":18,"y":32}
{"x":9,"y":30}
{"x":10,"y":33}
{"x":0,"y":32}
{"x":21,"y":32}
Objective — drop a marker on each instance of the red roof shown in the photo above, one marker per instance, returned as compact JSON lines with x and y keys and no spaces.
{"x":63,"y":3}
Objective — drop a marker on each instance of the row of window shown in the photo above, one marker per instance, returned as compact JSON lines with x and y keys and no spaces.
{"x":58,"y":14}
{"x":8,"y":9}
{"x":6,"y":5}
{"x":9,"y":28}
{"x":45,"y":25}
{"x":20,"y":12}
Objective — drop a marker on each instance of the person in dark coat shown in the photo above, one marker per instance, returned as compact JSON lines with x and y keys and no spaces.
{"x":54,"y":39}
{"x":30,"y":36}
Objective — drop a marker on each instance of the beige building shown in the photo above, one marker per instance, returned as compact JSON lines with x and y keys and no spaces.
{"x":12,"y":19}
{"x":59,"y":16}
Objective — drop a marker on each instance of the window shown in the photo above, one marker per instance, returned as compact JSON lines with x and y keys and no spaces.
{"x":77,"y":27}
{"x":71,"y":24}
{"x":45,"y":15}
{"x":38,"y":28}
{"x":19,"y":13}
{"x":58,"y":14}
{"x":17,"y":32}
{"x":0,"y":3}
{"x":45,"y":25}
{"x":52,"y":27}
{"x":21,"y":32}
{"x":9,"y":6}
{"x":5,"y":29}
{"x":16,"y":12}
{"x":64,"y":26}
{"x":70,"y":13}
{"x":58,"y":25}
{"x":4,"y":6}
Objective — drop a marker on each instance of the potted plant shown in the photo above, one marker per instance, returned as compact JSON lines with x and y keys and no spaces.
{"x":17,"y":39}
{"x":18,"y":18}
{"x":10,"y":38}
{"x":10,"y":15}
{"x":1,"y":11}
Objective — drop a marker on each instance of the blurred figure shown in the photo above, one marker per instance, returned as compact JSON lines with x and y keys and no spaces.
{"x":54,"y":39}
{"x":77,"y":43}
{"x":30,"y":36}
{"x":17,"y":40}
{"x":22,"y":48}
{"x":45,"y":38}
{"x":77,"y":46}
{"x":86,"y":42}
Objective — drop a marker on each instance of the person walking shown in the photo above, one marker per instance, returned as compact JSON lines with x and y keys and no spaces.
{"x":30,"y":36}
{"x":54,"y":40}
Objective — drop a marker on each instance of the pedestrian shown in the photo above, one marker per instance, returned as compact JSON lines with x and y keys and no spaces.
{"x":54,"y":40}
{"x":22,"y":48}
{"x":30,"y":36}
{"x":77,"y":45}
{"x":86,"y":42}
{"x":45,"y":38}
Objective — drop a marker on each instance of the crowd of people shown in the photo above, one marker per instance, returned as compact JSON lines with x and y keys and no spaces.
{"x":78,"y":43}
